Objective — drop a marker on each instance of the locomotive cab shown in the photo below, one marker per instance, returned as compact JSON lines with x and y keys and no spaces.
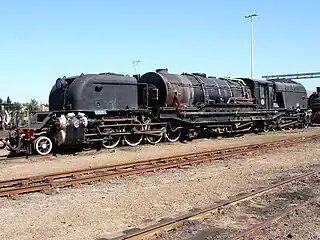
{"x":262,"y":92}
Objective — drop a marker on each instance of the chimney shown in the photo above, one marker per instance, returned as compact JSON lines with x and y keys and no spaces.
{"x":318,"y":89}
{"x":162,"y":70}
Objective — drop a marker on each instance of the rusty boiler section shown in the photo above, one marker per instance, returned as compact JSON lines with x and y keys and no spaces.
{"x":173,"y":89}
{"x":185,"y":90}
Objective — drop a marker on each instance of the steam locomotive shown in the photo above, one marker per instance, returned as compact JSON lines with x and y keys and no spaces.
{"x":314,"y":104}
{"x":107,"y":109}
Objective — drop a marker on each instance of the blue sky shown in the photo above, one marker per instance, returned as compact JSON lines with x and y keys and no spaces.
{"x":43,"y":40}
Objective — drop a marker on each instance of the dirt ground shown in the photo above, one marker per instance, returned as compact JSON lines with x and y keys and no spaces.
{"x":229,"y":222}
{"x":301,"y":224}
{"x":105,"y":209}
{"x":24,"y":167}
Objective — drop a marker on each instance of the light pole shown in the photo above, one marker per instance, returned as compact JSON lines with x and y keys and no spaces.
{"x":251,"y":59}
{"x":135,"y":64}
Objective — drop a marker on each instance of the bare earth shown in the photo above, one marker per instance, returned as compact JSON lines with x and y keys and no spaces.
{"x":105,"y":209}
{"x":227,"y":223}
{"x":301,"y":224}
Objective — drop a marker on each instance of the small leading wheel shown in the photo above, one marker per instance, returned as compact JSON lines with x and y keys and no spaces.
{"x":43,"y":145}
{"x":133,"y":139}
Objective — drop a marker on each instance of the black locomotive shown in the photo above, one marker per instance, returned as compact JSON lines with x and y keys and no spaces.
{"x":106,"y":109}
{"x":314,"y":104}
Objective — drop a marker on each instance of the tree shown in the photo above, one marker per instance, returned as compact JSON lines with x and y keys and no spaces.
{"x":16,"y":106}
{"x":33,"y":106}
{"x":1,"y":101}
{"x":8,"y":100}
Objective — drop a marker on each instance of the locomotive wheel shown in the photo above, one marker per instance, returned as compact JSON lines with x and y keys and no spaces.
{"x":111,"y":142}
{"x":86,"y":148}
{"x":266,"y":128}
{"x":280,"y":124}
{"x":133,"y":139}
{"x":153,"y":138}
{"x":173,"y":132}
{"x":43,"y":145}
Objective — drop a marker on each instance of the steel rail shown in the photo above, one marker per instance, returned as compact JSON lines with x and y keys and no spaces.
{"x":178,"y":221}
{"x":58,"y":180}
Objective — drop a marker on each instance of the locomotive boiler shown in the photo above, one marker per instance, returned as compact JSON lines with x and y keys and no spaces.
{"x":187,"y":90}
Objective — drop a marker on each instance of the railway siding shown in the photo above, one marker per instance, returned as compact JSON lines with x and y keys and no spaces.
{"x":18,"y":168}
{"x":73,"y":178}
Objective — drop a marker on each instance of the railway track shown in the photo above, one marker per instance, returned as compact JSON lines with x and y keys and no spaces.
{"x":73,"y":178}
{"x":171,"y":224}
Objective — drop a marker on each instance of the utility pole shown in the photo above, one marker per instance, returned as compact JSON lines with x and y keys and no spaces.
{"x":251,"y":59}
